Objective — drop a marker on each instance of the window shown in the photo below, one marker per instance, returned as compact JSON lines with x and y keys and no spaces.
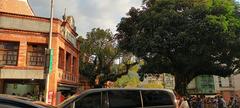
{"x":220,"y":85}
{"x":124,"y":99}
{"x":36,"y":55}
{"x":225,"y":82}
{"x":156,"y":98}
{"x":9,"y":53}
{"x":74,"y":65}
{"x":61,"y":58}
{"x":90,"y":101}
{"x":219,"y":82}
{"x":230,"y":82}
{"x":68,"y":62}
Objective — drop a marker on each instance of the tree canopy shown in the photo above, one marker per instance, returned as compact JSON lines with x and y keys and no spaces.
{"x":99,"y":51}
{"x":185,"y":38}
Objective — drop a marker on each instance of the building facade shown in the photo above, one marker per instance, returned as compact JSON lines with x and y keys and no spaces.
{"x":23,"y":40}
{"x":215,"y":85}
{"x":227,"y":86}
{"x":167,"y":80}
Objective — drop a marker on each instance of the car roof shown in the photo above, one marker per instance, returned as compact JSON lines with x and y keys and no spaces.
{"x":112,"y":89}
{"x":116,"y":89}
{"x":18,"y":99}
{"x":43,"y":104}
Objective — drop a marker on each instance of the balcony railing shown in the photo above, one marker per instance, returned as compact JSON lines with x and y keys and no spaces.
{"x":69,"y":77}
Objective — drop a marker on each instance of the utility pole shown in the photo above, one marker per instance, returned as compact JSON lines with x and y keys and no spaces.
{"x":50,"y":52}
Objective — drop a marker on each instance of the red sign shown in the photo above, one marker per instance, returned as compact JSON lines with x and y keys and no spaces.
{"x":50,"y":97}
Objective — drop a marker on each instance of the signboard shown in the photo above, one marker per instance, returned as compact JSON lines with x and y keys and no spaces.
{"x":24,"y":24}
{"x":49,"y":61}
{"x":205,"y":84}
{"x":71,"y":38}
{"x":50,"y":97}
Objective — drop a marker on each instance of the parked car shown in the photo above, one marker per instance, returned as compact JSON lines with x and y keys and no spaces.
{"x":11,"y":101}
{"x":121,"y":98}
{"x":43,"y":104}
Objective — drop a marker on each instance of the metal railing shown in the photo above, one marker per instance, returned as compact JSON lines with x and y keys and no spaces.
{"x":69,"y":77}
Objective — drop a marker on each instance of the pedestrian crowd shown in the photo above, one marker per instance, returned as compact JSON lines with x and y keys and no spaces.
{"x":208,"y":102}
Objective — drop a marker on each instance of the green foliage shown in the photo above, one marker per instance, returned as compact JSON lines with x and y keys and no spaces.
{"x":98,"y":53}
{"x":127,"y":81}
{"x":130,"y":80}
{"x":185,"y":38}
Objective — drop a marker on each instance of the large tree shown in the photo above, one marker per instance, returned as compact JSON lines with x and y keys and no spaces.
{"x":185,"y":38}
{"x":97,"y":56}
{"x":98,"y":53}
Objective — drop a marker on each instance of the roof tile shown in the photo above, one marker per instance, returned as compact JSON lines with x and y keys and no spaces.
{"x":16,"y":6}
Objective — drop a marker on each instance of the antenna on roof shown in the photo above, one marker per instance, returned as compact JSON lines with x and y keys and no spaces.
{"x":65,"y":15}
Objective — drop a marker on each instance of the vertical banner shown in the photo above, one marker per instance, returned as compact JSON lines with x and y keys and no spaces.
{"x":48,"y":61}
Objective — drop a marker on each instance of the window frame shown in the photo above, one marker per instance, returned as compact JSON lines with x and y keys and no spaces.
{"x":74,"y":64}
{"x":31,"y":51}
{"x":61,"y":58}
{"x":68,"y":64}
{"x":84,"y":96}
{"x":6,"y":50}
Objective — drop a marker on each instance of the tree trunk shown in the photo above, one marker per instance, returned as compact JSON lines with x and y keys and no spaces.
{"x":180,"y":87}
{"x":181,"y":83}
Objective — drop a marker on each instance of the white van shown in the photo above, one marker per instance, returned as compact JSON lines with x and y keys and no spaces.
{"x":121,"y":98}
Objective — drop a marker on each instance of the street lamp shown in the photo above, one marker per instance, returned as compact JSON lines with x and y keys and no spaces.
{"x":49,"y":51}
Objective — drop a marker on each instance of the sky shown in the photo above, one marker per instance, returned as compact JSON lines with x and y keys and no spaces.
{"x":88,"y":14}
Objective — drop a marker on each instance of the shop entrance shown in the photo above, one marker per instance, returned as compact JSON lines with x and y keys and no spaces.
{"x":25,"y":88}
{"x":65,"y":91}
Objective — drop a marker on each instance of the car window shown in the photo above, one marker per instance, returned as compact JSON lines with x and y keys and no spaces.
{"x":124,"y":99}
{"x":156,"y":98}
{"x":90,"y":101}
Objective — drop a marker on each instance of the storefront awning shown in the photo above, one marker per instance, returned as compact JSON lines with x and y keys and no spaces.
{"x":66,"y":87}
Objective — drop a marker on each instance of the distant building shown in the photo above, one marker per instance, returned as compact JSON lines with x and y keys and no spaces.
{"x":167,"y":80}
{"x":214,"y":85}
{"x":208,"y":85}
{"x":202,"y":85}
{"x":23,"y":40}
{"x":227,"y":86}
{"x":237,"y":84}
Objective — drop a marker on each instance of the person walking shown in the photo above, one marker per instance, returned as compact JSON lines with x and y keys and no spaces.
{"x":215,"y":102}
{"x":237,"y":99}
{"x":183,"y":103}
{"x":221,"y":102}
{"x":231,"y":103}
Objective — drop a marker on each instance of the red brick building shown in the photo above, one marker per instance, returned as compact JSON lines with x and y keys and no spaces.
{"x":23,"y":40}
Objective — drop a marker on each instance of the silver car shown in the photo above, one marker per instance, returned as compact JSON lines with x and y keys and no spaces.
{"x":121,"y":98}
{"x":10,"y":101}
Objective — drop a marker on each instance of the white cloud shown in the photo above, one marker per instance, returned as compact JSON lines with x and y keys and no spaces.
{"x":88,"y":14}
